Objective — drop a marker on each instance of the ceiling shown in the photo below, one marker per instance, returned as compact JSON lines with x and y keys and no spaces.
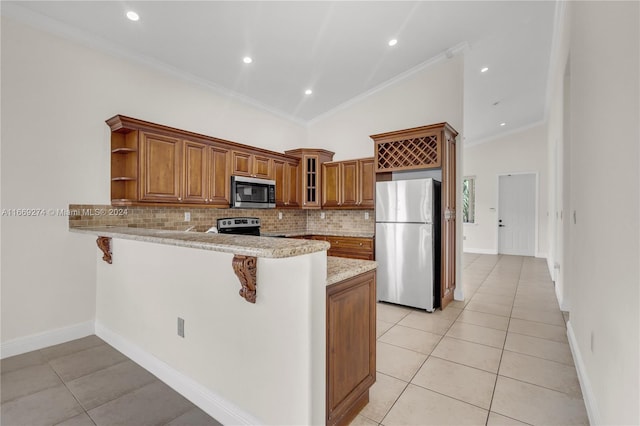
{"x":338,"y":49}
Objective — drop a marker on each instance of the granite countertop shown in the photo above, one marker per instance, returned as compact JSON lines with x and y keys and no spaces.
{"x":341,"y":268}
{"x":237,"y":244}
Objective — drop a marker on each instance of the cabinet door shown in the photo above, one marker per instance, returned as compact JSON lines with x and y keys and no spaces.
{"x":351,"y":346}
{"x":161,"y":168}
{"x":311,"y":185}
{"x":367,"y":183}
{"x":195,"y":172}
{"x":279,"y":177}
{"x":349,"y":183}
{"x":219,"y":176}
{"x":241,"y":163}
{"x":292,"y":179}
{"x":261,"y":167}
{"x":331,"y":185}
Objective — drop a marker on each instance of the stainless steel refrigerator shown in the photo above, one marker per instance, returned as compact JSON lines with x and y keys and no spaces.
{"x":408,"y":242}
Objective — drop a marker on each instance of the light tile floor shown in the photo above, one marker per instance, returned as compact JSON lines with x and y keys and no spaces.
{"x":499,"y":358}
{"x":87,"y":382}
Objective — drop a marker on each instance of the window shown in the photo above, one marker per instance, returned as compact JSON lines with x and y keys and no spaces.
{"x":469,"y":199}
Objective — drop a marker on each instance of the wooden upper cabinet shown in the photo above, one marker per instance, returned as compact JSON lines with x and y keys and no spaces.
{"x":161,"y":172}
{"x":195,"y":172}
{"x":252,"y":165}
{"x":219,"y":173}
{"x":367,"y":183}
{"x":331,"y":185}
{"x":349,"y":184}
{"x":286,"y":175}
{"x":155,"y":164}
{"x":311,"y":161}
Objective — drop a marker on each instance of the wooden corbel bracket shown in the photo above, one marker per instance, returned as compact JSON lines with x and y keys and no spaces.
{"x":245,"y":269}
{"x":104,"y":244}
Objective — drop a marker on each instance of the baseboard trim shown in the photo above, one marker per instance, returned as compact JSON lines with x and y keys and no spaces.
{"x":217,"y":407}
{"x":30,"y":343}
{"x":585,"y":383}
{"x":479,"y":250}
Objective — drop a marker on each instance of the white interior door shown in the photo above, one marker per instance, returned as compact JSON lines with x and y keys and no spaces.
{"x":517,"y":211}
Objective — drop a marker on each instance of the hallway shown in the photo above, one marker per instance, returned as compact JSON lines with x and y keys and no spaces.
{"x":501,"y":357}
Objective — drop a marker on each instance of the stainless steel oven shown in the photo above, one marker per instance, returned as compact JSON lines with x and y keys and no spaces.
{"x":252,"y":193}
{"x":239,"y":225}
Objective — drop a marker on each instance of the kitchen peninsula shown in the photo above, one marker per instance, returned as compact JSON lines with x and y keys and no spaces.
{"x":301,"y":352}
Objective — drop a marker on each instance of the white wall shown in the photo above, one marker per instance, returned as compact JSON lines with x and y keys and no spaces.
{"x":520,"y":151}
{"x":605,"y":281}
{"x":430,"y":96}
{"x":267,"y":359}
{"x":56,"y":95}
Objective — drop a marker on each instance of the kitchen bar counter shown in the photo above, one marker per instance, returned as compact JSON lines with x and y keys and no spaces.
{"x":341,"y":268}
{"x":237,"y":244}
{"x":338,"y":268}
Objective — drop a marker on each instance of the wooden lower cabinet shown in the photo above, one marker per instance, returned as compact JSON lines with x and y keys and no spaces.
{"x":351,"y":247}
{"x":351,"y":346}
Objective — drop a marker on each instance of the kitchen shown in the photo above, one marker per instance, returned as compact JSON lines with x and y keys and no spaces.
{"x":62,"y":157}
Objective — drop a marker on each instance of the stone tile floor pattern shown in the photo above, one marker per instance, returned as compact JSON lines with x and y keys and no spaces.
{"x":501,"y":357}
{"x":87,"y":382}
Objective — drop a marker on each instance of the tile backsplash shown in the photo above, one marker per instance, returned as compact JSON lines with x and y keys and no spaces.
{"x":173,"y":218}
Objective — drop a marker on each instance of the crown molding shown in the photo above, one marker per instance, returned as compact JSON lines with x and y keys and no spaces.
{"x":44,"y":23}
{"x":446,"y":55}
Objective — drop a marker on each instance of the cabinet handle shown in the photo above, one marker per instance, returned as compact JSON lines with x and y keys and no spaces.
{"x":360,"y":244}
{"x":179,"y":198}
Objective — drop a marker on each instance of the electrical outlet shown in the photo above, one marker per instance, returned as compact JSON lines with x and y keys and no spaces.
{"x":180,"y":327}
{"x":464,"y":238}
{"x":187,"y":216}
{"x":279,"y":215}
{"x":322,"y":215}
{"x":366,"y":215}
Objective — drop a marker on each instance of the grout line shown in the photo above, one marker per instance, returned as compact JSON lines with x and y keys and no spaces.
{"x":495,"y":385}
{"x":543,"y":387}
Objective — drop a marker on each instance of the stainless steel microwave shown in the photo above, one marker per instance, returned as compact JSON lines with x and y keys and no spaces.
{"x":252,"y":193}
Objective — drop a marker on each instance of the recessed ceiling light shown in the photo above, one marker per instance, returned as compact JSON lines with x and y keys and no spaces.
{"x":393,"y":42}
{"x":503,"y":124}
{"x":132,"y":15}
{"x":247,"y":60}
{"x":485,"y":69}
{"x":308,"y":92}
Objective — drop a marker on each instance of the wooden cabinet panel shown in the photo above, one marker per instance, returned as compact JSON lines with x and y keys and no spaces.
{"x":351,"y":346}
{"x":286,"y":176}
{"x":351,"y":247}
{"x":161,"y":170}
{"x":367,"y":183}
{"x":331,"y":185}
{"x":242,"y":164}
{"x":195,"y":172}
{"x":292,"y":178}
{"x":350,"y":178}
{"x":219,"y":176}
{"x":261,"y":167}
